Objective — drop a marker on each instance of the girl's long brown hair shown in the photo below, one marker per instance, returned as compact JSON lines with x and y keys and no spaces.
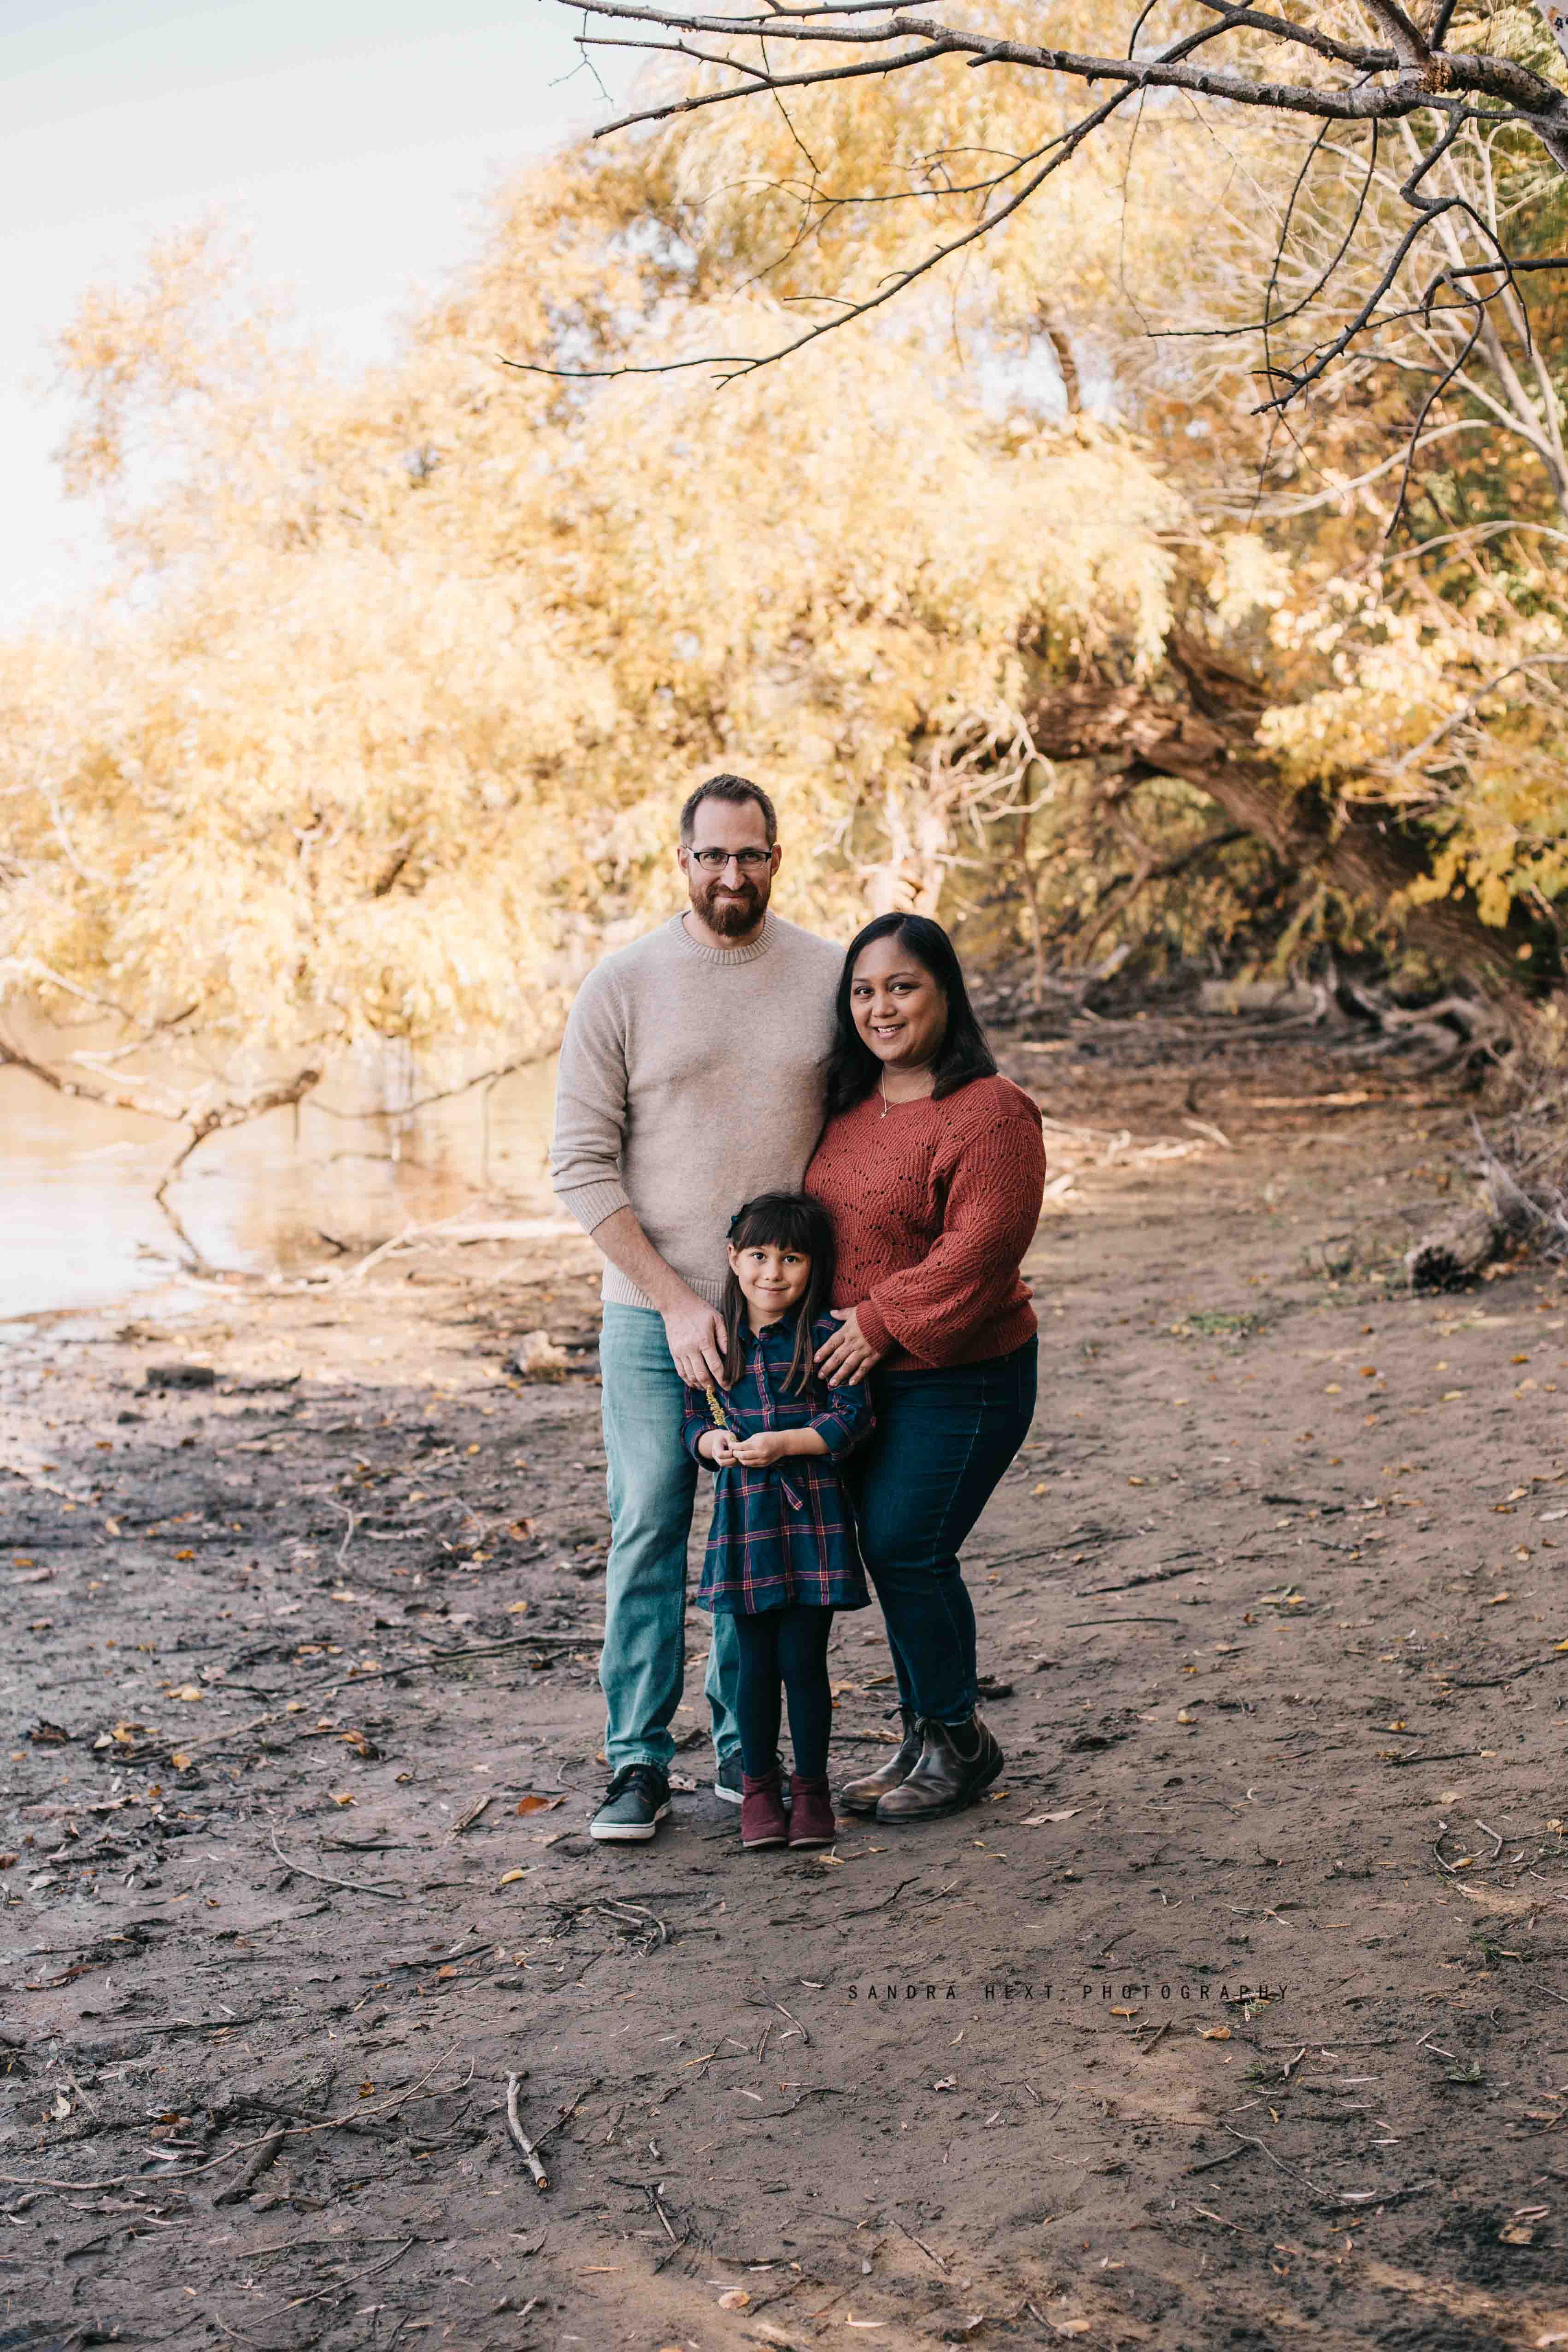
{"x":790,"y":1220}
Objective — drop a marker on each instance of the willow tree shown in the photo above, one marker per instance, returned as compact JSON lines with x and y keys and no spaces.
{"x":1314,"y":258}
{"x":384,"y":732}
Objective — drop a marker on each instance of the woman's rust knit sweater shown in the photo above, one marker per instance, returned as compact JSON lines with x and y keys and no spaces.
{"x":934,"y":1206}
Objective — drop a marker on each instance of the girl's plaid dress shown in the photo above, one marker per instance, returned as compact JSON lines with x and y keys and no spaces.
{"x":782,"y":1535}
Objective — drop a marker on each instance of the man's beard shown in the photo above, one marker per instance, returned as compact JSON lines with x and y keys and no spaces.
{"x":730,"y":917}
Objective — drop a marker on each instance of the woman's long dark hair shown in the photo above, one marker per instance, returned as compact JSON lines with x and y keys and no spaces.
{"x":964,"y":1055}
{"x":789,"y":1221}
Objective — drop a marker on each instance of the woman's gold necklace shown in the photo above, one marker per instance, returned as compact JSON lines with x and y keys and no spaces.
{"x":882,"y":1083}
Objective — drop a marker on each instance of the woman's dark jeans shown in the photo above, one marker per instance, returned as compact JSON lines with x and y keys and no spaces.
{"x":941,"y":1442}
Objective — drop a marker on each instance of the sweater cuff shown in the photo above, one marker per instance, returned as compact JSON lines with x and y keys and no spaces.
{"x":873,"y":1328}
{"x":592,"y":1203}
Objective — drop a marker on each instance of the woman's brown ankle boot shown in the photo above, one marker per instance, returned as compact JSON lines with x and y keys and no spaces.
{"x":958,"y":1761}
{"x":864,"y":1795}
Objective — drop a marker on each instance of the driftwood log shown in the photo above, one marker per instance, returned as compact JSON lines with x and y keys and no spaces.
{"x":1470,"y":1238}
{"x":1453,"y":1253}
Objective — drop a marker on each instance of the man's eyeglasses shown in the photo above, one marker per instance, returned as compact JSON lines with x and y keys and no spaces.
{"x":749,"y":861}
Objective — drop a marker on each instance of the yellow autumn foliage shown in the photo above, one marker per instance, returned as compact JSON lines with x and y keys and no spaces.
{"x":398,"y":744}
{"x":385,"y":727}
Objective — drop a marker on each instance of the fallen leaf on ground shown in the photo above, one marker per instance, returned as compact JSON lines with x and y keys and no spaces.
{"x":1215,"y":2033}
{"x":735,"y":2299}
{"x":531,"y":1804}
{"x":343,"y":1797}
{"x":516,"y":1608}
{"x":1032,"y":1821}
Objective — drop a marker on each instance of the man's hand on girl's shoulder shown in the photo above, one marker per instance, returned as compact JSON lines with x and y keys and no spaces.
{"x":695,"y":1337}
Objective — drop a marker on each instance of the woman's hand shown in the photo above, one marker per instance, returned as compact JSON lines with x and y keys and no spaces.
{"x":848,"y":1355}
{"x":756,"y":1452}
{"x":717,"y":1445}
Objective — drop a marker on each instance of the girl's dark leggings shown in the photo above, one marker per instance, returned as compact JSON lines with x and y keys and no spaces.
{"x":785,"y":1647}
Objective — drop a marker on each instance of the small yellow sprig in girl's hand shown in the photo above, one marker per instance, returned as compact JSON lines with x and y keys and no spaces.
{"x":721,"y":1453}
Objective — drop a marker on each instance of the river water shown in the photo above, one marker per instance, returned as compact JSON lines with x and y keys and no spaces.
{"x":79,"y":1226}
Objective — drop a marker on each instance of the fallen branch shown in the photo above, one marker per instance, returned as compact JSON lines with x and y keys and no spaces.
{"x":199,"y":1125}
{"x":487,"y":1650}
{"x":238,"y":2190}
{"x":524,"y":2147}
{"x":351,"y":1885}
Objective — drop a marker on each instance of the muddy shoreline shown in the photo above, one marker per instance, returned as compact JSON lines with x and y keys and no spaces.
{"x":1240,"y":2012}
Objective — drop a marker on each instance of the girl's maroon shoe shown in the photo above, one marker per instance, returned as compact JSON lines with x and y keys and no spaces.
{"x":763,"y":1821}
{"x":811,"y":1820}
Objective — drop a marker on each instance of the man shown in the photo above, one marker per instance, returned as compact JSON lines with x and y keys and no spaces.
{"x":690,"y":1078}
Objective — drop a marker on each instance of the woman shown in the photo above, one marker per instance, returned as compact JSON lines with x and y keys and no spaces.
{"x":932,"y":1168}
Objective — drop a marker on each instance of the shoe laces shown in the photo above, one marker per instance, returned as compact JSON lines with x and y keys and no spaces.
{"x":644,"y":1776}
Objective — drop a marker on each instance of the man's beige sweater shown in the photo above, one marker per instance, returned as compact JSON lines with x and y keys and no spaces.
{"x":692,"y":1079}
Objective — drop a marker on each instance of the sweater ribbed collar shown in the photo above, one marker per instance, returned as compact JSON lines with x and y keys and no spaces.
{"x":752,"y":954}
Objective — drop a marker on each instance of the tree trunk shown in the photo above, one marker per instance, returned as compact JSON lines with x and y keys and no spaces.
{"x":1209,"y":739}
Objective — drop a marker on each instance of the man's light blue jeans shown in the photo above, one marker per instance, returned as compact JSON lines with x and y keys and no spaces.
{"x":652,"y":1485}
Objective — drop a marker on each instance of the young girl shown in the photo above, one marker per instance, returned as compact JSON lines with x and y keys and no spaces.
{"x":781,"y":1552}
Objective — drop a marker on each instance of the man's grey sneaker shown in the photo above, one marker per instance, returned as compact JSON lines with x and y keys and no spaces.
{"x":727,"y":1779}
{"x":635,"y":1801}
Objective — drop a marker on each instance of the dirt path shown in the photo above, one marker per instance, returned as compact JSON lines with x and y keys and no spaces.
{"x":1237,"y":2014}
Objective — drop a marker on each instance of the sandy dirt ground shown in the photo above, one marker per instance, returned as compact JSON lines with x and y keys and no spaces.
{"x":1236,"y":2017}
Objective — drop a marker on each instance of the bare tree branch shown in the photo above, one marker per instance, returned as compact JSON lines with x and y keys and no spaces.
{"x":1403,"y":76}
{"x":199,"y":1125}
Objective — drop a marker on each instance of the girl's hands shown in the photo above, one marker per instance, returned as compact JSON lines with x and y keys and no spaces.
{"x":717,"y":1445}
{"x":848,"y":1355}
{"x":756,"y":1452}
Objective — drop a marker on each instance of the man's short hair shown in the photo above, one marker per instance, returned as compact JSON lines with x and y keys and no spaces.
{"x":737,"y":791}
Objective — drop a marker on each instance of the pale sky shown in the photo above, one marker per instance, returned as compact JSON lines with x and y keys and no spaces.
{"x":352,"y":138}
